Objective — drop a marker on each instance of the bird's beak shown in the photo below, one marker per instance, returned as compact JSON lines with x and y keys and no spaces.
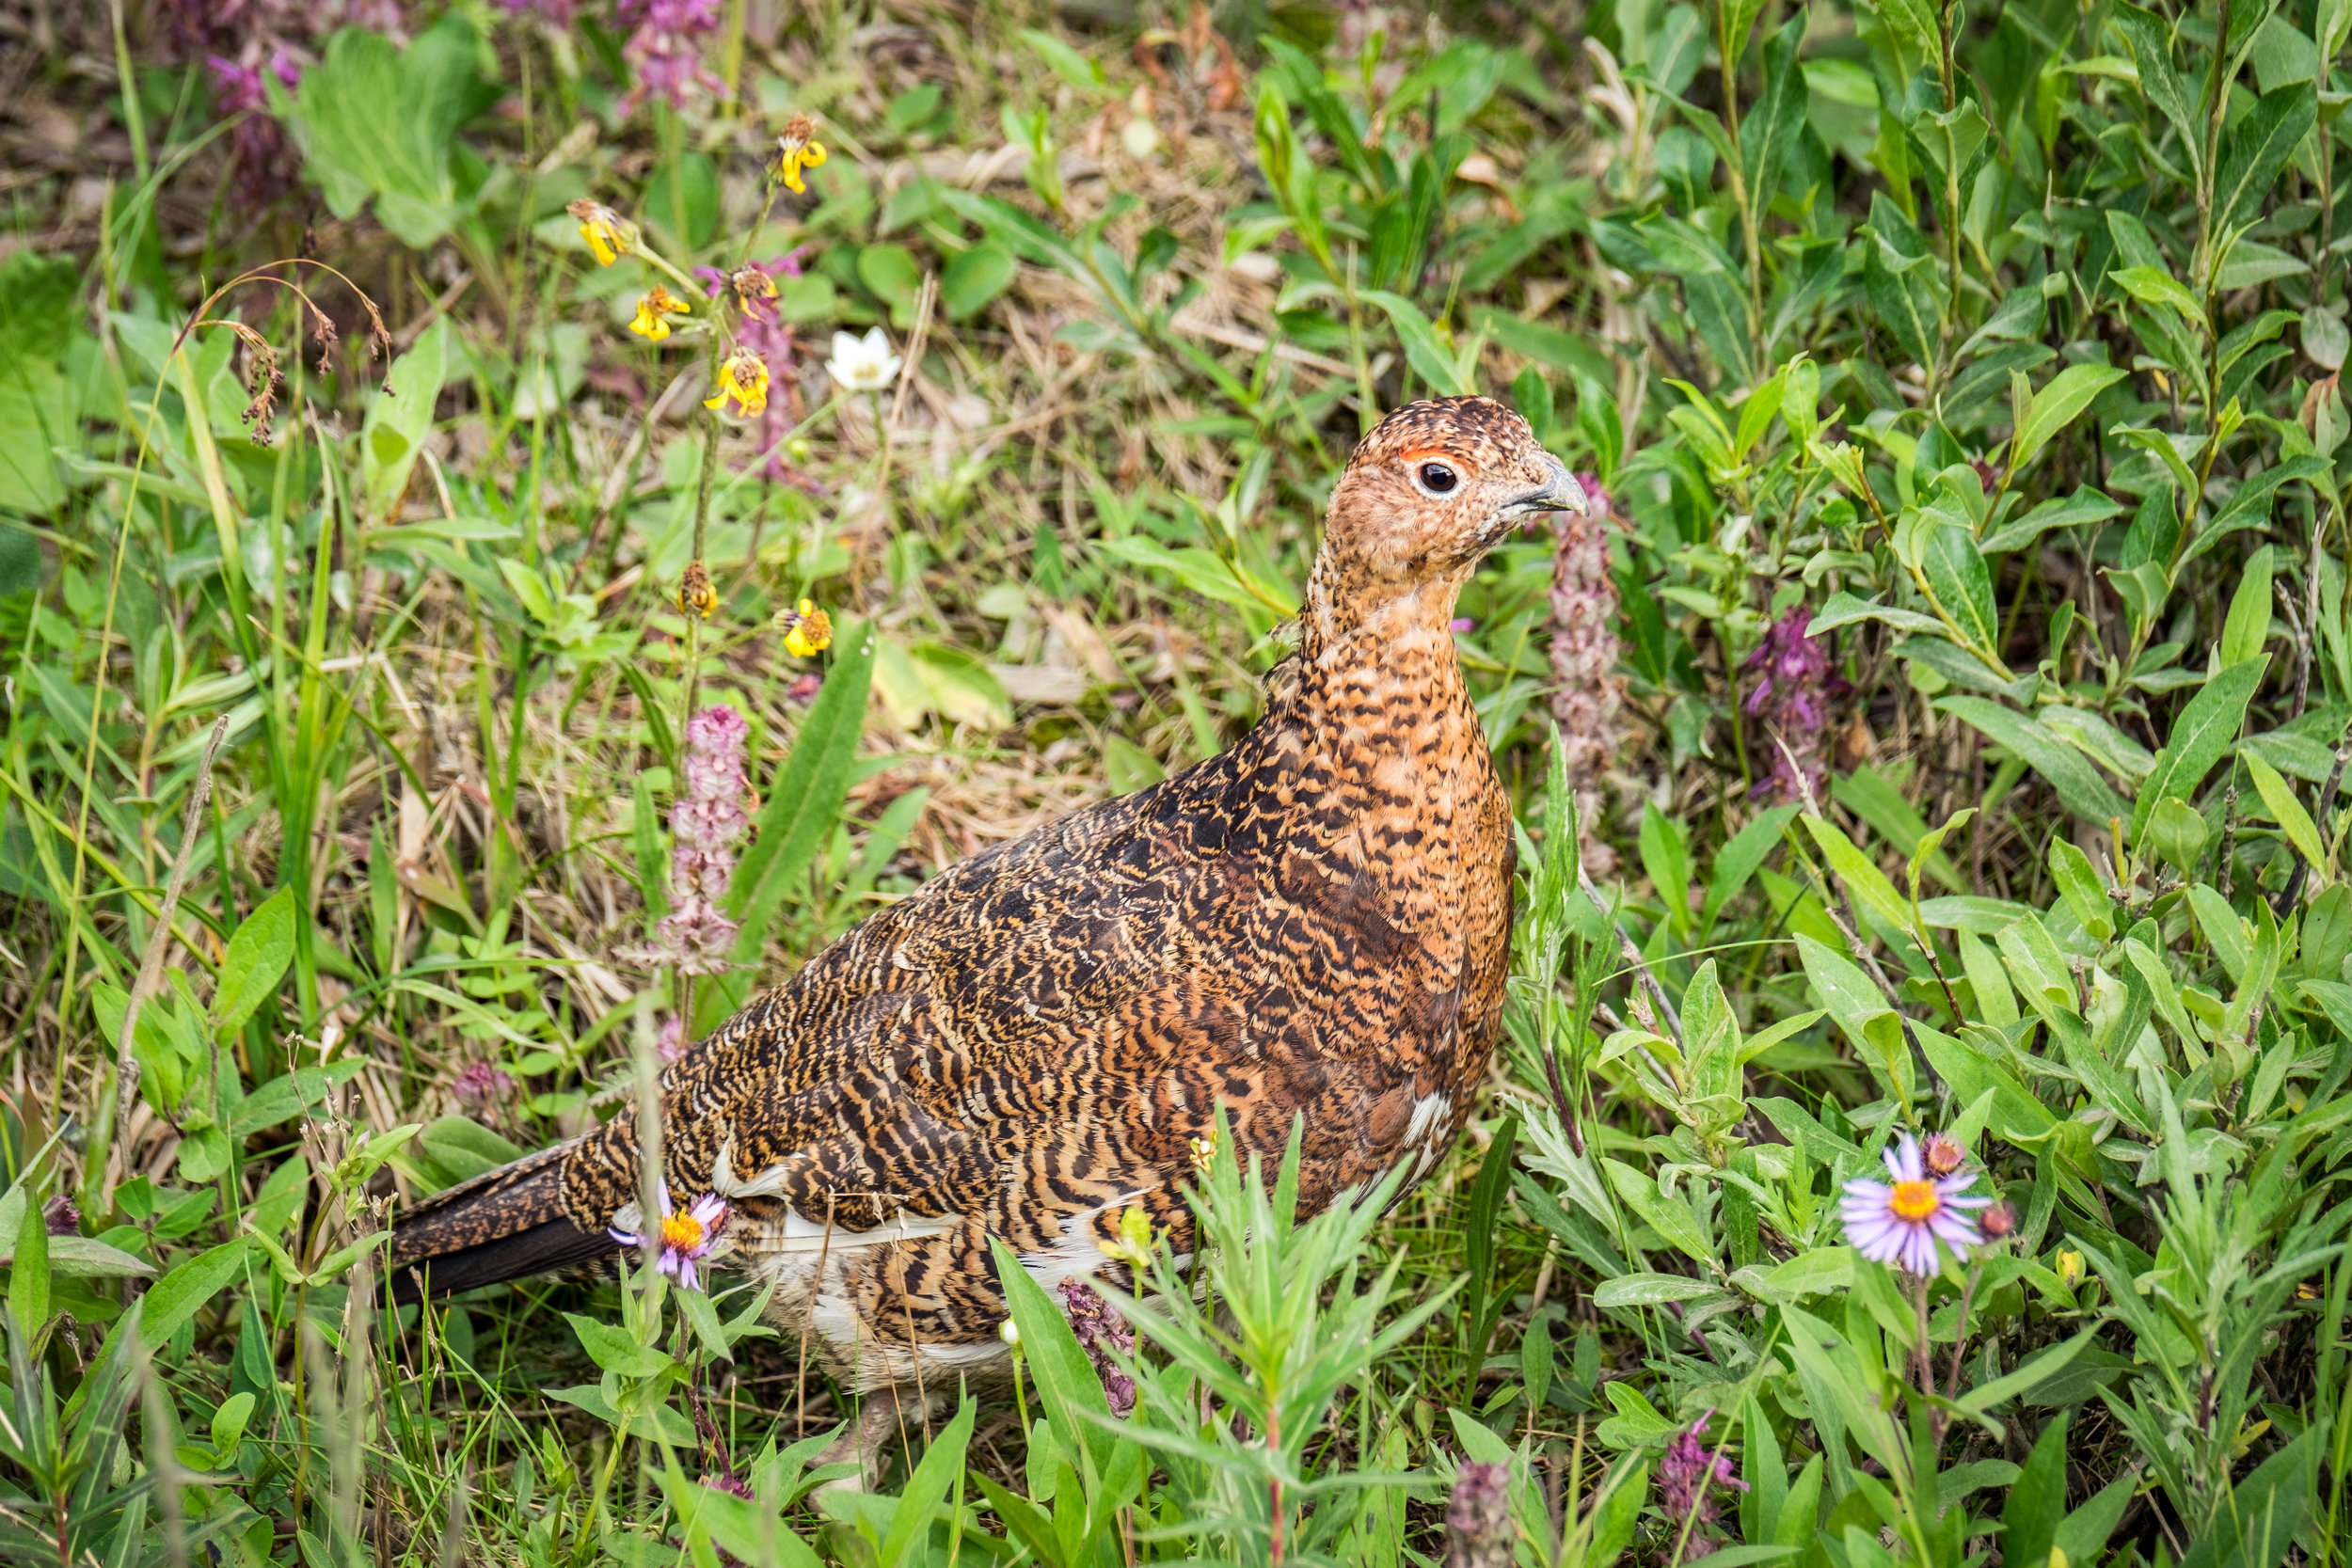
{"x":1559,"y":492}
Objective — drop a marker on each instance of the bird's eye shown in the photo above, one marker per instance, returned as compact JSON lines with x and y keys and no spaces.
{"x":1436,"y":478}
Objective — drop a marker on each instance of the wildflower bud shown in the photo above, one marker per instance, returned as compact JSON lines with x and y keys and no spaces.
{"x":1010,"y":1332}
{"x":1204,"y":1151}
{"x":1478,"y":1530}
{"x":804,"y":687}
{"x":1944,"y":1155}
{"x":59,"y":1217}
{"x":696,"y":595}
{"x":2070,"y":1268}
{"x":1999,"y":1220}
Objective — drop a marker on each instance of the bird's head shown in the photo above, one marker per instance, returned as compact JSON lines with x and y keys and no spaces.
{"x":1433,"y":488}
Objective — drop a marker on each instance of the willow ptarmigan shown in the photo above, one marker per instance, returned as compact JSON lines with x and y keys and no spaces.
{"x":1314,"y":924}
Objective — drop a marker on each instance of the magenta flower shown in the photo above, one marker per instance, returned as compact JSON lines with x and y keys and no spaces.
{"x":479,"y":1084}
{"x":266,"y":165}
{"x":1900,"y":1224}
{"x":1793,"y":696}
{"x":666,"y":49}
{"x":1687,"y":1478}
{"x":1101,"y":1330}
{"x":706,"y":826}
{"x":671,"y":1043}
{"x":681,"y":1239}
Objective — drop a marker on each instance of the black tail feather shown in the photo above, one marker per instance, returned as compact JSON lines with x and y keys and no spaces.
{"x":506,"y":1224}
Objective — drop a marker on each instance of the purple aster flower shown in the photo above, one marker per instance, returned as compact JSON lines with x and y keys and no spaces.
{"x":1900,"y":1224}
{"x":1687,"y":1478}
{"x":1101,"y":1330}
{"x":682,"y":1240}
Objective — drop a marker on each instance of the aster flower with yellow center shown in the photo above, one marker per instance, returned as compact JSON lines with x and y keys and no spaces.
{"x":680,"y":1239}
{"x":609,"y":234}
{"x":655,"y":307}
{"x":744,"y":378}
{"x":807,"y":630}
{"x":1902,"y":1223}
{"x":795,"y":149}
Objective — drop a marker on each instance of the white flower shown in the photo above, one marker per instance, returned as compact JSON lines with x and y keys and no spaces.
{"x":862,"y":364}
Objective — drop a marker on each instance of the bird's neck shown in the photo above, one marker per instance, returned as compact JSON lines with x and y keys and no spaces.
{"x":1353,"y":620}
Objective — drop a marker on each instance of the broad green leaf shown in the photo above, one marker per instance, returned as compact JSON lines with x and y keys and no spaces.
{"x":398,"y":422}
{"x":1963,"y":585}
{"x":1670,"y":1217}
{"x":2287,"y":811}
{"x":1422,"y":351}
{"x":2258,"y":150}
{"x":613,"y":1350}
{"x":2248,"y":623}
{"x":259,"y":951}
{"x":2086,"y":506}
{"x":1652,"y":1290}
{"x":28,"y":1268}
{"x":2057,"y":406}
{"x":178,"y":1295}
{"x":1872,"y":893}
{"x":2207,"y":729}
{"x":1667,"y":860}
{"x":2155,"y":286}
{"x":2079,"y":787}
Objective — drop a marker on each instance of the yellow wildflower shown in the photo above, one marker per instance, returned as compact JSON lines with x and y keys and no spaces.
{"x":609,"y":234}
{"x":2070,"y":1268}
{"x":655,"y":307}
{"x":796,"y":150}
{"x":1204,"y":1151}
{"x":807,"y":630}
{"x":696,"y":595}
{"x":753,"y":288}
{"x":744,"y":378}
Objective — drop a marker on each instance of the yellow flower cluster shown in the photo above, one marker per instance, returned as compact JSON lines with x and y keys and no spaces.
{"x":807,"y":630}
{"x":795,"y":149}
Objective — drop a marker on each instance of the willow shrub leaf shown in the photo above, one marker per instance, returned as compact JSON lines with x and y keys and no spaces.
{"x":2207,"y":727}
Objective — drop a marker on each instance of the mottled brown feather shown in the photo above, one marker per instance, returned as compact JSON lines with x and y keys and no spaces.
{"x":1314,"y":925}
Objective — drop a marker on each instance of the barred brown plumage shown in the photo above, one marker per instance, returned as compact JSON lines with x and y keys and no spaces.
{"x":1314,"y":924}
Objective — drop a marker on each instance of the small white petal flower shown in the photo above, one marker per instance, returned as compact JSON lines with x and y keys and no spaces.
{"x":862,"y":364}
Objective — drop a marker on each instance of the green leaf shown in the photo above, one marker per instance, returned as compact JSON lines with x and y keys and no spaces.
{"x":1768,"y":131}
{"x":2206,"y":728}
{"x":1736,"y":861}
{"x":2079,"y":885}
{"x":2249,"y":624}
{"x":289,"y":1095}
{"x":2057,"y":406}
{"x":975,"y":278}
{"x":383,"y":121}
{"x":615,"y":1350}
{"x":1065,"y":62}
{"x":805,"y":799}
{"x":920,"y":1498}
{"x":2155,"y":286}
{"x":259,"y":951}
{"x":1670,"y":1217}
{"x":2258,"y":150}
{"x":2148,"y":36}
{"x":1428,"y":358}
{"x":1843,"y":608}
{"x":2037,"y":1499}
{"x":1874,"y":897}
{"x":1652,"y":1290}
{"x":28,"y":1267}
{"x":179,"y":1294}
{"x":1069,"y":1390}
{"x":2086,"y":506}
{"x":2079,"y":787}
{"x":1667,"y":860}
{"x":2288,"y":812}
{"x":1963,"y":584}
{"x":398,"y":422}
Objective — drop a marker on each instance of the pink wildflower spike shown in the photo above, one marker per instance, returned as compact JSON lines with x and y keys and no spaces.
{"x":681,"y":1240}
{"x":1902,"y":1223}
{"x":1687,"y":1478}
